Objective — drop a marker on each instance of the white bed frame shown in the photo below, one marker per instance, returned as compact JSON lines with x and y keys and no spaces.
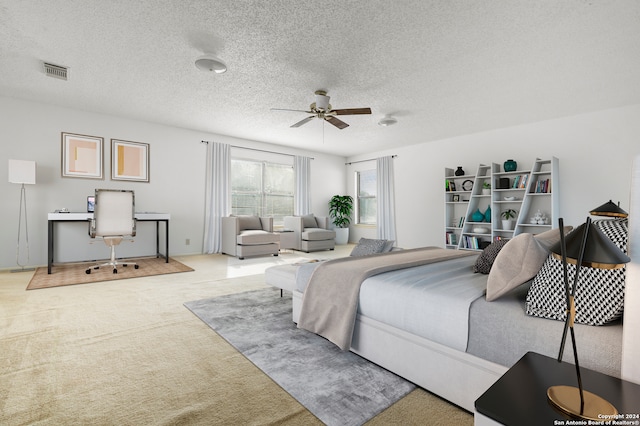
{"x":454,"y":375}
{"x":460,"y":377}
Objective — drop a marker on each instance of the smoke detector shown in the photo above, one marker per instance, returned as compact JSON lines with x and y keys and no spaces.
{"x":387,"y":121}
{"x":211,"y":63}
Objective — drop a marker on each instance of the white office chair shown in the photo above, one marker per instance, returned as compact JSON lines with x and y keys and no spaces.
{"x":113,"y":219}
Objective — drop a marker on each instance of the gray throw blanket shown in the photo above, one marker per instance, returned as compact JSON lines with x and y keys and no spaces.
{"x":330,"y":301}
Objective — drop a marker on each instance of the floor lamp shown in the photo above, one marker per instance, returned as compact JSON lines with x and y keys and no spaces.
{"x":22,"y":172}
{"x":585,"y":246}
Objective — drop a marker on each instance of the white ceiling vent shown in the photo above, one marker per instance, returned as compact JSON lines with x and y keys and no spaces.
{"x":56,"y":71}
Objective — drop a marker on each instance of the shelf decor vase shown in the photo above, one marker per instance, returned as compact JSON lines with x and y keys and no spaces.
{"x":510,"y":166}
{"x":477,"y":216}
{"x":487,"y":215}
{"x":459,"y":171}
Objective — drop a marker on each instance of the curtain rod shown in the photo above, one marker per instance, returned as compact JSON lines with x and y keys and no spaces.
{"x":370,"y":159}
{"x":259,"y":150}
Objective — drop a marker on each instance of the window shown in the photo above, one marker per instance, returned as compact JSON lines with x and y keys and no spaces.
{"x":366,"y":206}
{"x":261,"y":188}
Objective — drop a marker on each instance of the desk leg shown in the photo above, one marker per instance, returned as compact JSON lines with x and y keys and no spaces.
{"x":166,"y":239}
{"x":50,"y":246}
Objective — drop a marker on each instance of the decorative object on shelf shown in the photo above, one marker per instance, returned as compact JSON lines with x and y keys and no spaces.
{"x":459,"y":171}
{"x":487,"y":215}
{"x":511,"y":198}
{"x":508,"y":217}
{"x":455,"y":198}
{"x":609,"y":209}
{"x":510,"y":165}
{"x":477,"y":216}
{"x":539,"y":219}
{"x":450,"y":185}
{"x":586,"y":246}
{"x":481,"y":230}
{"x":503,"y":183}
{"x":486,"y":188}
{"x":467,"y":185}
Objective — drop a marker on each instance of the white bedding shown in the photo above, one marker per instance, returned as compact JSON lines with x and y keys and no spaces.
{"x":431,"y":301}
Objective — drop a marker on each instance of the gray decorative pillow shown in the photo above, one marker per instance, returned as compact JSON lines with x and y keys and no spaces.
{"x":518,"y":263}
{"x":309,"y":221}
{"x":599,"y":294}
{"x":488,"y":256}
{"x":249,"y":222}
{"x":368,"y":246}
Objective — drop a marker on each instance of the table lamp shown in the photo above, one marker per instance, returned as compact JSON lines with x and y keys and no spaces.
{"x":609,"y":209}
{"x":585,"y":246}
{"x":22,"y":172}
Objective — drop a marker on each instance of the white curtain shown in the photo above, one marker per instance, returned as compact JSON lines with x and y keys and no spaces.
{"x":302,"y":195}
{"x":386,"y":199}
{"x":217,"y":194}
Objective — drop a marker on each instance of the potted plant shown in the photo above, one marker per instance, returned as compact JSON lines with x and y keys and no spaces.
{"x":508,"y":217}
{"x":486,"y":188}
{"x":340,"y":208}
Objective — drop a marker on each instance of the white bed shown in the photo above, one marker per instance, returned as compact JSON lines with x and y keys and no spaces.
{"x":461,"y":377}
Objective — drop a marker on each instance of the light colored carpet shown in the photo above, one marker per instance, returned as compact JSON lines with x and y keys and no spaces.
{"x":127,"y":352}
{"x":70,"y":274}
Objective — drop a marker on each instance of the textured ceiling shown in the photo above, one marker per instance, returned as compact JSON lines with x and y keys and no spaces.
{"x":442,"y":68}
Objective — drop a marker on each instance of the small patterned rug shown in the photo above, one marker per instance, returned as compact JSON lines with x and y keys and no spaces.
{"x":75,"y":274}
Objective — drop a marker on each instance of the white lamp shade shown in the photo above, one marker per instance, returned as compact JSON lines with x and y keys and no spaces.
{"x":21,"y":171}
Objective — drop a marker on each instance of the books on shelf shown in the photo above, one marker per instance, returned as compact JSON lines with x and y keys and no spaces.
{"x":520,"y":181}
{"x":452,"y":238}
{"x":542,"y":186}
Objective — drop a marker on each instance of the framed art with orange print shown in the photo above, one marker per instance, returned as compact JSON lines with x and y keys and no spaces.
{"x":129,"y":161}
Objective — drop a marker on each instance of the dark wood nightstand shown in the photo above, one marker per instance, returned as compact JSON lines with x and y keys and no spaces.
{"x":519,"y":397}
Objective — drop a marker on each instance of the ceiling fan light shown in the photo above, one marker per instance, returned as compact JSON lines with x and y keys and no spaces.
{"x":387,"y":121}
{"x":211,"y":63}
{"x":322,"y":102}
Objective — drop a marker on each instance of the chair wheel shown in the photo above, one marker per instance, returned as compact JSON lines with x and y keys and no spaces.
{"x":88,"y":271}
{"x":115,"y":271}
{"x":136,"y":266}
{"x":124,"y":264}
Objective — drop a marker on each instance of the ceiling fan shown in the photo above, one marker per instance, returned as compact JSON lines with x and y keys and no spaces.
{"x":322,"y":109}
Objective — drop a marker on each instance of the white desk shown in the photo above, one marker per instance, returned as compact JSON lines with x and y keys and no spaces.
{"x":53,"y":218}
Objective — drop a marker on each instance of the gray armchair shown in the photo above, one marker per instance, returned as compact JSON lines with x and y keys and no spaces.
{"x":311,"y":233}
{"x":249,"y":236}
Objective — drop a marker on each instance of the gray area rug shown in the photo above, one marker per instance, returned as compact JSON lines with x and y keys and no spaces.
{"x":340,"y":388}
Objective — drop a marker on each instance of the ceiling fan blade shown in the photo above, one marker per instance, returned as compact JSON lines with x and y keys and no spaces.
{"x":336,"y":122}
{"x":303,"y":121}
{"x":350,"y":111}
{"x":294,"y":110}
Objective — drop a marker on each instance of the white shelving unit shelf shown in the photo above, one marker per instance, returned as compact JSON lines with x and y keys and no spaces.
{"x":528,"y":198}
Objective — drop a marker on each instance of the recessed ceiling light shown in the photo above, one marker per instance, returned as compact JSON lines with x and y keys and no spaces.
{"x":387,"y":121}
{"x":211,"y":63}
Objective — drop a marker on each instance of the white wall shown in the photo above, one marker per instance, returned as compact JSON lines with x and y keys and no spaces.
{"x":31,"y":131}
{"x":595,"y":152}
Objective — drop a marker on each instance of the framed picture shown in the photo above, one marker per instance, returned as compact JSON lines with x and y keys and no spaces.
{"x":455,"y":197}
{"x":452,"y":186}
{"x":82,"y":156}
{"x":129,"y":161}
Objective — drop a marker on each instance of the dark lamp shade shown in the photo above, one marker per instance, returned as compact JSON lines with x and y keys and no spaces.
{"x":609,"y":209}
{"x":600,"y":252}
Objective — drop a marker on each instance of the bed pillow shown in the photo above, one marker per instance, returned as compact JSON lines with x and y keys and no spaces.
{"x":367,"y":246}
{"x":519,"y":261}
{"x":551,"y":237}
{"x":600,"y":292}
{"x":488,"y":256}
